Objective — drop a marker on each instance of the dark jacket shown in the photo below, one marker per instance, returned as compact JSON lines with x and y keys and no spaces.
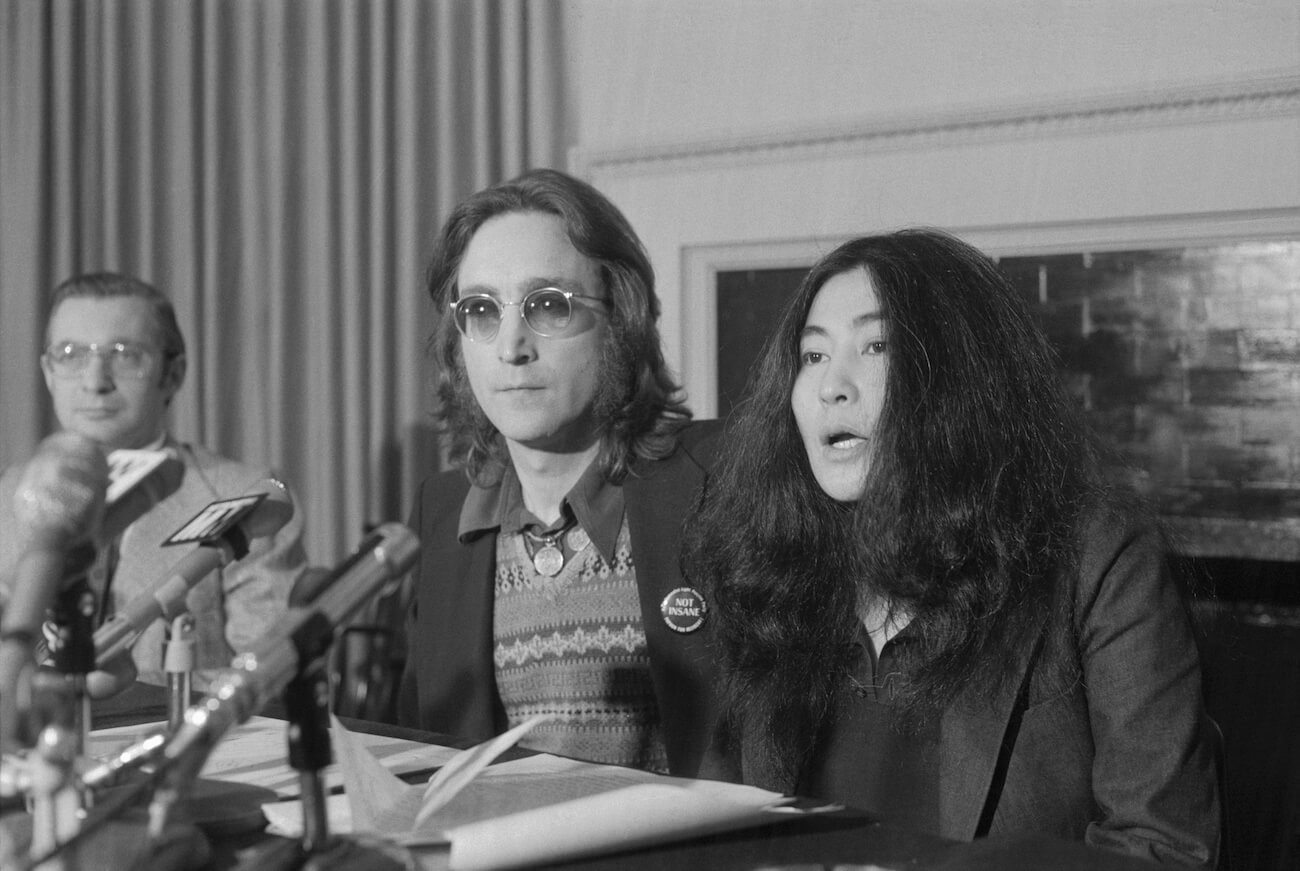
{"x":449,"y":684}
{"x":1123,"y":758}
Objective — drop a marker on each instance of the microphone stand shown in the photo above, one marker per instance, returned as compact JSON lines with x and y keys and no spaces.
{"x":59,"y":695}
{"x":306,"y":702}
{"x":295,"y":648}
{"x":60,"y":720}
{"x":178,"y":663}
{"x":55,"y":797}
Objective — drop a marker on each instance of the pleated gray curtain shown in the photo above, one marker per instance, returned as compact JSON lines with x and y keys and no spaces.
{"x":279,"y":168}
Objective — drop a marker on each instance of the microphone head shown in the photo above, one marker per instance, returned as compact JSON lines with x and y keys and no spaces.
{"x":59,"y":499}
{"x":272,"y":513}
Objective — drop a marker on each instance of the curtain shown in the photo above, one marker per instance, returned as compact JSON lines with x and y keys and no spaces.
{"x":279,"y":168}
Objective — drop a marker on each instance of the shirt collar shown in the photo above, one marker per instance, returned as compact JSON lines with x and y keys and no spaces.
{"x":158,"y":444}
{"x":164,"y":440}
{"x":593,"y":501}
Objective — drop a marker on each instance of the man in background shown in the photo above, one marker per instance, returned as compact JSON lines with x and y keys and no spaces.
{"x":548,"y":581}
{"x":113,"y":360}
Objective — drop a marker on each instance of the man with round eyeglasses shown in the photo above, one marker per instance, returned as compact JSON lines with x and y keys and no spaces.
{"x":548,"y":579}
{"x":114,"y":358}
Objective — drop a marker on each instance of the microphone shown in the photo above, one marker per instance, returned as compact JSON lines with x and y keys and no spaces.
{"x":137,"y":481}
{"x":256,"y":676}
{"x":58,"y":501}
{"x":223,"y":532}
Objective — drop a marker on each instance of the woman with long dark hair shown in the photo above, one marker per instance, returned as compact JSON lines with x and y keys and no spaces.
{"x":929,"y":602}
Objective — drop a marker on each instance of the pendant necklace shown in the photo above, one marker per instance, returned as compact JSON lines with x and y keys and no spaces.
{"x":548,"y":555}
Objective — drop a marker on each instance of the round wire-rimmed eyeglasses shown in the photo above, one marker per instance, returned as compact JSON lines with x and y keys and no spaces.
{"x":547,"y":311}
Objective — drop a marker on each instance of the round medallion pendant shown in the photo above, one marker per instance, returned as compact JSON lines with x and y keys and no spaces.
{"x":548,"y":560}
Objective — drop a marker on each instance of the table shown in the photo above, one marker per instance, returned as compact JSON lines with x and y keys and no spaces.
{"x":821,"y":842}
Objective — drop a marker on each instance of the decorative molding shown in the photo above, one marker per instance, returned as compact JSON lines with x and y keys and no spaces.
{"x":1263,"y":97}
{"x":1136,"y":232}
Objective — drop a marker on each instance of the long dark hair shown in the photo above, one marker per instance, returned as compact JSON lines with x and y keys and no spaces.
{"x":981,"y":469}
{"x":639,"y":407}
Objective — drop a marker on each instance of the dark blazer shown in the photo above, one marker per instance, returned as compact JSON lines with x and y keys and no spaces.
{"x":449,"y":684}
{"x":1123,"y":758}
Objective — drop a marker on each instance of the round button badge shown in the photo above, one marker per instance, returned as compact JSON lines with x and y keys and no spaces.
{"x":684,"y":610}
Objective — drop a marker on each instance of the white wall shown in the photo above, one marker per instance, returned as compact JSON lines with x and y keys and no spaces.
{"x":674,"y":70}
{"x":718,"y":124}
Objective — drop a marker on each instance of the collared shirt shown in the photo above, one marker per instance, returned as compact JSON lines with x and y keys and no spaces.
{"x":593,"y":502}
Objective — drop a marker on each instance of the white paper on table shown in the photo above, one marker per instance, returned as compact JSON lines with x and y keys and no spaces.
{"x":536,"y":809}
{"x":383,"y":804}
{"x":457,"y":774}
{"x":623,"y":819}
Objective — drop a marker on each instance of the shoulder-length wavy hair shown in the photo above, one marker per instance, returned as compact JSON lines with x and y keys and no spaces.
{"x":638,"y":407}
{"x":980,"y":469}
